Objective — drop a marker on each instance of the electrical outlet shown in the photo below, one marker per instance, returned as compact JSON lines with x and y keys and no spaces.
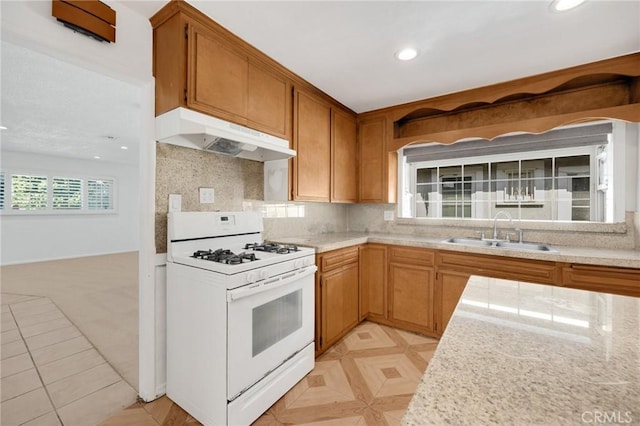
{"x":388,"y":215}
{"x":207,"y":195}
{"x":175,"y":202}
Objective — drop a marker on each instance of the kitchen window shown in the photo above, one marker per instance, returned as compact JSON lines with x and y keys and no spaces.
{"x":556,"y":176}
{"x":39,"y":193}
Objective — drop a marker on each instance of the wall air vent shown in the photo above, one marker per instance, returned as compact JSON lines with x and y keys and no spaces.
{"x":89,"y":17}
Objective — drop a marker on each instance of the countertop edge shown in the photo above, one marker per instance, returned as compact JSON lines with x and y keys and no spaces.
{"x":566,"y":254}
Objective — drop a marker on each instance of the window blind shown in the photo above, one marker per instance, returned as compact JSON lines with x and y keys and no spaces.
{"x":67,"y":193}
{"x":99,"y":194}
{"x":28,"y":192}
{"x":1,"y":191}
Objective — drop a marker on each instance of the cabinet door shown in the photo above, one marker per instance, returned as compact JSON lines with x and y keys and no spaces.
{"x":268,"y":103}
{"x":449,"y":288}
{"x":312,"y":141}
{"x":377,"y":179}
{"x":339,"y":303}
{"x":344,"y":157}
{"x":217,"y":78}
{"x":411,"y":296}
{"x":373,"y":279}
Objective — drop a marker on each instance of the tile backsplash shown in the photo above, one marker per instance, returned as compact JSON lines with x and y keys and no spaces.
{"x":238,"y":185}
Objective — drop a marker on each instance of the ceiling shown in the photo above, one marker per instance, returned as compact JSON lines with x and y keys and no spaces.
{"x":93,"y":117}
{"x":344,"y":48}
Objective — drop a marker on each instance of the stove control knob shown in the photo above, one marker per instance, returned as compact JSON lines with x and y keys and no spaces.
{"x":252,"y":277}
{"x":264,"y":275}
{"x":298,"y":263}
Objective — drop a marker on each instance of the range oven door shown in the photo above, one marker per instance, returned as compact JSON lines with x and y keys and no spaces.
{"x":268,"y":322}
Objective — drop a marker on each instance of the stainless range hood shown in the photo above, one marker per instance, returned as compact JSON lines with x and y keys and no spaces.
{"x":191,"y":129}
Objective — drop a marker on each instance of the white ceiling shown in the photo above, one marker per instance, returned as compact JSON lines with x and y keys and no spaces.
{"x":52,"y":107}
{"x":344,"y":48}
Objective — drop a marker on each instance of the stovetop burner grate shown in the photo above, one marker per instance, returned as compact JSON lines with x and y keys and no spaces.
{"x":272,"y":247}
{"x":224,"y":256}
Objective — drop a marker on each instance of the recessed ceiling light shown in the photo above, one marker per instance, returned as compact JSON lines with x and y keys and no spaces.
{"x":124,"y":147}
{"x":97,"y":157}
{"x":3,"y":128}
{"x":562,"y":5}
{"x":406,"y":54}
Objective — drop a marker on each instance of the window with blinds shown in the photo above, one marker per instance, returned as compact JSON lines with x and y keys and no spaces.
{"x":99,"y":194}
{"x":29,"y":192}
{"x":1,"y":191}
{"x":67,"y":193}
{"x":24,"y":193}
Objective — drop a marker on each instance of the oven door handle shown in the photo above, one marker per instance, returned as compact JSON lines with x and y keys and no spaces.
{"x":270,"y":284}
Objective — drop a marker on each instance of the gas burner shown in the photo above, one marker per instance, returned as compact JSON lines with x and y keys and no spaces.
{"x":272,"y":247}
{"x":224,"y":256}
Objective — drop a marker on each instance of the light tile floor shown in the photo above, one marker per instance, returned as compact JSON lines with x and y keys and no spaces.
{"x":51,"y":374}
{"x":368,"y":378}
{"x":98,"y":294}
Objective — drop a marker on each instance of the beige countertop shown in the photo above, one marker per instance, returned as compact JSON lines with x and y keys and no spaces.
{"x":516,"y":353}
{"x":585,"y":255}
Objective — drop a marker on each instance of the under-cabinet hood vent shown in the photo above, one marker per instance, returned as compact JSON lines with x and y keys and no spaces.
{"x":192,"y":129}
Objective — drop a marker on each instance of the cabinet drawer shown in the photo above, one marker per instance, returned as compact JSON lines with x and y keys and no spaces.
{"x":337,"y":258}
{"x":601,"y":278}
{"x":537,"y":271}
{"x":412,"y":255}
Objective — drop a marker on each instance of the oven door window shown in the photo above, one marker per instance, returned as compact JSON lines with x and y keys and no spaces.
{"x":276,"y":320}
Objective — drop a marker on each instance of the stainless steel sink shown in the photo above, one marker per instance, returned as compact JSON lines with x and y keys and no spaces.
{"x":524,"y":246}
{"x":468,"y":242}
{"x":500,"y":244}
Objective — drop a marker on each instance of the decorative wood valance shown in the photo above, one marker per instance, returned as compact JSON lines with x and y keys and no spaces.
{"x":599,"y":90}
{"x":92,"y":18}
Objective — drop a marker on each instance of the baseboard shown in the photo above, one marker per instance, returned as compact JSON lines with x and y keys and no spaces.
{"x":53,"y":259}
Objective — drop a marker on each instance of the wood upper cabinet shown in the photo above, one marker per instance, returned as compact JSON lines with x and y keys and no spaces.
{"x":373,"y":281}
{"x":377,"y":168}
{"x":411,"y":288}
{"x":312,"y":142}
{"x":218,"y":75}
{"x":344,"y":157}
{"x":199,"y":65}
{"x":337,"y":296}
{"x":324,"y":137}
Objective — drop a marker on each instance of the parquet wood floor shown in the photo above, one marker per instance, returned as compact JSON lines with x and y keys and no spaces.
{"x":368,"y":378}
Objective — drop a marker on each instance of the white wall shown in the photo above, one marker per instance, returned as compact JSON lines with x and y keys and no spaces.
{"x":30,"y":238}
{"x":29,"y":24}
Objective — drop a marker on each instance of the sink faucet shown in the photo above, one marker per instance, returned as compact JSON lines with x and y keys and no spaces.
{"x":495,"y":222}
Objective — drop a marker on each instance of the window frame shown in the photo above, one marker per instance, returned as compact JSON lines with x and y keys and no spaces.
{"x":8,"y":174}
{"x":407,"y":173}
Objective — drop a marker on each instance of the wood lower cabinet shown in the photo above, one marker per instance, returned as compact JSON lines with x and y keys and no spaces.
{"x":337,"y":296}
{"x":624,"y":281}
{"x":373,"y":281}
{"x":509,"y":268}
{"x":411,"y":289}
{"x":449,"y":287}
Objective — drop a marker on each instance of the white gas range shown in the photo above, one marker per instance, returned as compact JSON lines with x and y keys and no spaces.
{"x":240,"y":316}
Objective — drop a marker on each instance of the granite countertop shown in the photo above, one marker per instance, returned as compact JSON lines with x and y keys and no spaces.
{"x":516,"y":353}
{"x":585,"y":255}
